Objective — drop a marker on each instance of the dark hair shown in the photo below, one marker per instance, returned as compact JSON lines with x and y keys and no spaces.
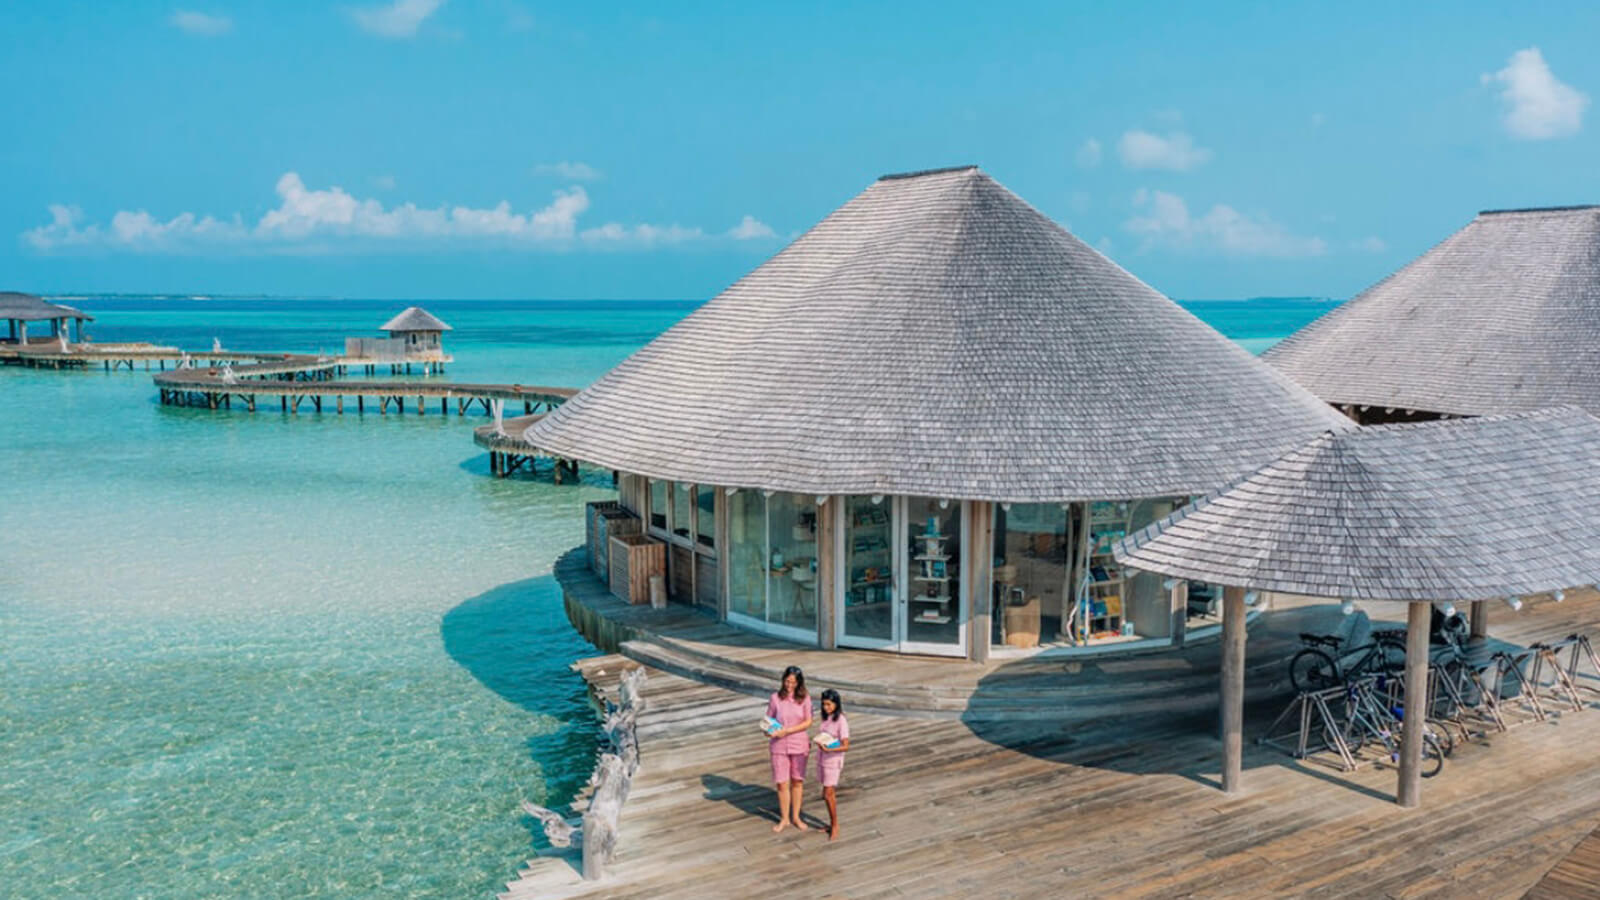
{"x":838,"y":705}
{"x":799,"y":684}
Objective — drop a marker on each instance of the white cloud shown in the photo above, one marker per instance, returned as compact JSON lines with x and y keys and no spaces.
{"x":575,"y":171}
{"x":201,"y":24}
{"x":751,"y":229}
{"x":1175,"y":151}
{"x":1538,"y":105}
{"x":1089,"y":154}
{"x":1370,"y":244}
{"x":384,"y":182}
{"x":309,"y":219}
{"x":1164,"y":219}
{"x":399,"y":19}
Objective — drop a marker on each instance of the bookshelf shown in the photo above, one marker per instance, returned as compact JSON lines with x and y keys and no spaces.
{"x":930,"y":603}
{"x":1102,"y":603}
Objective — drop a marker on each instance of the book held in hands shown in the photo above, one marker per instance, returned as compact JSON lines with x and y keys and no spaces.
{"x":770,"y":726}
{"x":827,"y":741}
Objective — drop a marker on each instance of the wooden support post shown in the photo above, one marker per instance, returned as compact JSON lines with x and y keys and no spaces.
{"x":1418,"y":618}
{"x":361,"y":404}
{"x":1480,"y":618}
{"x":252,"y":402}
{"x":1233,"y":635}
{"x":444,"y":408}
{"x":283,"y":402}
{"x":340,"y":401}
{"x":527,"y":408}
{"x":1180,"y":612}
{"x":420,"y":405}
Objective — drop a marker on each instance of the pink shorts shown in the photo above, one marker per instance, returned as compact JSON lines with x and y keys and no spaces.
{"x":829,"y":765}
{"x":788,"y":767}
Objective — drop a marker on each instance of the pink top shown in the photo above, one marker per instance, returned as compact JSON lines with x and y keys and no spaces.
{"x":839,"y":728}
{"x":790,"y":712}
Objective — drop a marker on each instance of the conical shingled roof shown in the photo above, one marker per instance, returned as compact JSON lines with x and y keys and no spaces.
{"x":1460,"y":509}
{"x":1501,"y":317}
{"x":415,"y":318}
{"x":936,"y":335}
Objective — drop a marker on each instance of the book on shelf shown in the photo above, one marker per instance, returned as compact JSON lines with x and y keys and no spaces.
{"x":770,"y":726}
{"x":827,"y":741}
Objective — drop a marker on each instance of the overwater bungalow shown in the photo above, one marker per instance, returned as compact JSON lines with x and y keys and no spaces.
{"x":415,"y":335}
{"x":1500,"y":317}
{"x":922,"y":426}
{"x":20,"y":309}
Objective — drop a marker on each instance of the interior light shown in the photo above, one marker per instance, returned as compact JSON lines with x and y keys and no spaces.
{"x":877,"y":499}
{"x":944,"y":504}
{"x":1559,"y":596}
{"x":1449,"y":610}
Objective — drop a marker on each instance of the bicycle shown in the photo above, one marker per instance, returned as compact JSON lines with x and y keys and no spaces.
{"x":1325,"y":664}
{"x":1368,"y":717}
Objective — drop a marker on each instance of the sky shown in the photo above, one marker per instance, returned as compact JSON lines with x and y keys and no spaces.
{"x":517,"y":149}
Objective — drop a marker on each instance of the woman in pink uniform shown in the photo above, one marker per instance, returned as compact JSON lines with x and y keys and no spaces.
{"x":831,"y":762}
{"x":790,"y":747}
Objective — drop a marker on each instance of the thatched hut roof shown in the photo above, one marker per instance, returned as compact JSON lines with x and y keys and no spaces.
{"x":937,"y":335}
{"x":28,"y":308}
{"x":415,"y":318}
{"x":1460,"y":509}
{"x":1501,"y":317}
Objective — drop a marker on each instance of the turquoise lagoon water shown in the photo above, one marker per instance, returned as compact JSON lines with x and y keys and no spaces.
{"x":313,"y":656}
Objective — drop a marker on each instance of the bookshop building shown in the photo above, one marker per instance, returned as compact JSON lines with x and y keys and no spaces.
{"x":921,"y":426}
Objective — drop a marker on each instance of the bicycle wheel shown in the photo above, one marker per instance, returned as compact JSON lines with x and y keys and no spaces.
{"x":1313,"y":670}
{"x":1441,"y":736}
{"x":1432,"y":758}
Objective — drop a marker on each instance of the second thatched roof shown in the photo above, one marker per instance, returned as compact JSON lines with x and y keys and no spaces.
{"x":1501,"y":317}
{"x":937,"y":335}
{"x":29,"y":308}
{"x":1461,"y":509}
{"x":415,"y":318}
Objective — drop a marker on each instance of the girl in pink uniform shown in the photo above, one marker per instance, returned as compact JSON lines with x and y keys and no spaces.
{"x":831,"y":762}
{"x":789,"y":745}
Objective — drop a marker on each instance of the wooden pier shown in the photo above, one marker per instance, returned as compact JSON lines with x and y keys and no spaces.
{"x":509,"y":452}
{"x":1117,"y":805}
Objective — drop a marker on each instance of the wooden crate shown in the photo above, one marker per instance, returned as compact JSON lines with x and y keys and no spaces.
{"x":634,"y":558}
{"x":607,"y":519}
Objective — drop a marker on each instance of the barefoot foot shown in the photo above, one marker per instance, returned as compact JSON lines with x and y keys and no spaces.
{"x":779,"y":827}
{"x":801,"y":825}
{"x":833,"y":832}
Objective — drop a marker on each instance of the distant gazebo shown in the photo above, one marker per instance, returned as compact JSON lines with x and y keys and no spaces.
{"x":1500,"y":317}
{"x":920,"y":427}
{"x":19,"y":309}
{"x":415,"y":336}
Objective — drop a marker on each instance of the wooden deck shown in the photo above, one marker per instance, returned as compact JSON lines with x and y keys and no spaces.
{"x":1576,"y":876}
{"x":1112,"y":807}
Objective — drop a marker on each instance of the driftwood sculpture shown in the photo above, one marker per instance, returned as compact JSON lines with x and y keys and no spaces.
{"x":608,"y":785}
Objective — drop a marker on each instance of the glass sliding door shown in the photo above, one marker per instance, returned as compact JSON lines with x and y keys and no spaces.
{"x":792,"y":569}
{"x":746,"y":557}
{"x":934,"y":614}
{"x":772,"y":563}
{"x":1032,"y":566}
{"x":867,"y":542}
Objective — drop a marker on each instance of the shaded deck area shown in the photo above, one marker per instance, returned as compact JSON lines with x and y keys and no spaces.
{"x":1120,"y":805}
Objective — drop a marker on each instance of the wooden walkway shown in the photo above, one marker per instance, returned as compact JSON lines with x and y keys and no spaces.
{"x":1576,"y":876}
{"x":1112,"y":807}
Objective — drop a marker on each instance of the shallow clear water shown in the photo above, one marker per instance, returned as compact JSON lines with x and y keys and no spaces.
{"x":287,"y":656}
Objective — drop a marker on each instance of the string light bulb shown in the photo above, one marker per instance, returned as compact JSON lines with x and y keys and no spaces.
{"x":1514,"y":602}
{"x":1559,"y":595}
{"x":1348,"y":607}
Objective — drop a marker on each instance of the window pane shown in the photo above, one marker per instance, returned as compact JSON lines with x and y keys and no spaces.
{"x":869,"y":572}
{"x":682,"y":508}
{"x":1030,"y":572}
{"x":706,"y":515}
{"x":658,"y":504}
{"x":746,"y":554}
{"x":792,"y":566}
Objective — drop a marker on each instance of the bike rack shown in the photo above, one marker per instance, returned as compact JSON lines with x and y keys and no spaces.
{"x":1306,"y":712}
{"x":1559,"y":687}
{"x":1579,"y":649}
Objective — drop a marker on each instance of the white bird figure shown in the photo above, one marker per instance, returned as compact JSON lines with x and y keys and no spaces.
{"x":499,"y":407}
{"x":227,"y":374}
{"x":64,"y":347}
{"x":216,"y":345}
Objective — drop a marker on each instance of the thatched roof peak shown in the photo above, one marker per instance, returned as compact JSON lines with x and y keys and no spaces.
{"x":937,"y":335}
{"x":415,"y":318}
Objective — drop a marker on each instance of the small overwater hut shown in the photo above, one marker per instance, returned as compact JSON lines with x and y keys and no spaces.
{"x":921,"y":427}
{"x":415,"y":335}
{"x":20,"y":309}
{"x":1501,"y":317}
